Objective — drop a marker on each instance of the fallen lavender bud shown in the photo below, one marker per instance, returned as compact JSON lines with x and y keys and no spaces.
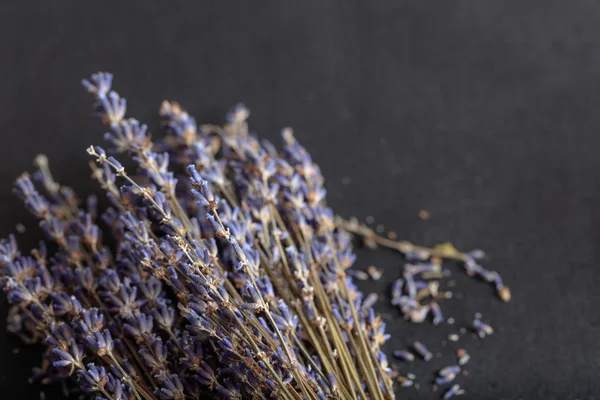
{"x":455,"y":390}
{"x":369,"y":301}
{"x":422,"y":351}
{"x":404,"y":355}
{"x":397,"y":290}
{"x":419,"y":314}
{"x":462,"y":356}
{"x":481,"y":328}
{"x":405,"y":381}
{"x":444,"y":379}
{"x":374,"y":272}
{"x":358,"y":274}
{"x":436,"y":311}
{"x":453,"y":337}
{"x":452,"y":369}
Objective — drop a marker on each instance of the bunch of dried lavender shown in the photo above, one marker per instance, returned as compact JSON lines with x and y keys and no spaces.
{"x":228,"y":273}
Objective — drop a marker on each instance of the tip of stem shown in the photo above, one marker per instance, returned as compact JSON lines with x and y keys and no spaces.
{"x":504,"y":294}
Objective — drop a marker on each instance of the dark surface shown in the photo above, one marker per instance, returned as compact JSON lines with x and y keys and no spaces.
{"x":484,"y":113}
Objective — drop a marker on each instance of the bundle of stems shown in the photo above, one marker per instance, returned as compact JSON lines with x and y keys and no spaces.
{"x":226,"y":273}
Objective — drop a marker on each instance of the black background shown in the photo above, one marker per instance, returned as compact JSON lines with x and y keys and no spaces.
{"x":484,"y":113}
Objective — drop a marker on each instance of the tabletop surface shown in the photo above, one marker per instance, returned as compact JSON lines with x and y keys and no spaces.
{"x":485,"y":114}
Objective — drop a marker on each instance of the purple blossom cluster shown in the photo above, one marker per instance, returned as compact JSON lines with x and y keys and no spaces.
{"x":227,"y":276}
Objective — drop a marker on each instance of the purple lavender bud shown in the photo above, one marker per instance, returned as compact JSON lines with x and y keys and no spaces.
{"x":91,"y":321}
{"x":418,"y":314}
{"x":215,"y":225}
{"x":472,"y":268}
{"x":239,"y":266}
{"x":94,"y":378}
{"x":481,"y":328}
{"x":452,"y":369}
{"x":311,"y":313}
{"x":358,"y":274}
{"x":397,"y":288}
{"x":422,"y":351}
{"x":488,"y":276}
{"x":165,"y":316}
{"x":100,"y":152}
{"x":206,"y":374}
{"x":140,"y":326}
{"x":99,"y":83}
{"x":61,"y":303}
{"x":238,"y":114}
{"x":111,"y":281}
{"x":18,"y":294}
{"x":445,"y":379}
{"x":116,"y":164}
{"x":204,"y":195}
{"x":405,"y":381}
{"x":71,"y":359}
{"x":101,"y":342}
{"x":201,"y":200}
{"x":497,"y":280}
{"x":463,"y":356}
{"x":205,"y":189}
{"x":369,"y":301}
{"x":410,"y":284}
{"x":194,"y":175}
{"x":252,"y":292}
{"x":237,"y":249}
{"x":112,"y":107}
{"x":172,"y":388}
{"x":24,"y":187}
{"x":404,"y":355}
{"x":436,"y":311}
{"x":405,"y":301}
{"x":455,"y":390}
